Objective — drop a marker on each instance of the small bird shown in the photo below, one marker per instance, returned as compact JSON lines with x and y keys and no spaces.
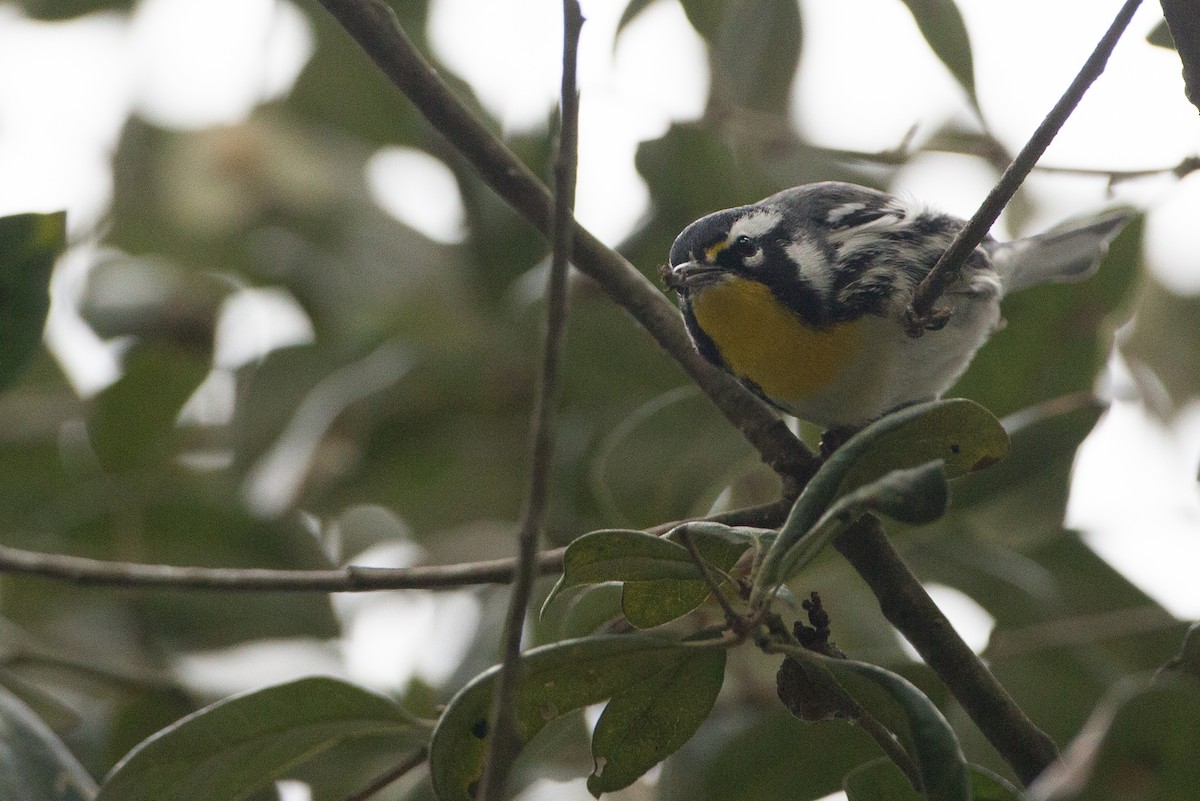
{"x":802,"y":296}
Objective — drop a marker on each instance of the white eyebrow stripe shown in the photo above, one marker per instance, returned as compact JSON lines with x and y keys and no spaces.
{"x":836,"y":214}
{"x":811,"y":265}
{"x":754,"y":224}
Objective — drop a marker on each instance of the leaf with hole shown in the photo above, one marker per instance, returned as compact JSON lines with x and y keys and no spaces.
{"x":662,"y":690}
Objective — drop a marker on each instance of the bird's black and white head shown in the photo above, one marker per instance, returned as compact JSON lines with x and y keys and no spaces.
{"x":761,"y":242}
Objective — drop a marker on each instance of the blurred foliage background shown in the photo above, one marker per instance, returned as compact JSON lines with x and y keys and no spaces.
{"x":395,"y":423}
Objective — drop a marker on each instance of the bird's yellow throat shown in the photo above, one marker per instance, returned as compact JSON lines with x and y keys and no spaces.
{"x":764,"y":341}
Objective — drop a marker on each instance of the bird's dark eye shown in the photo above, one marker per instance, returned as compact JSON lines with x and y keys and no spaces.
{"x":743,"y":247}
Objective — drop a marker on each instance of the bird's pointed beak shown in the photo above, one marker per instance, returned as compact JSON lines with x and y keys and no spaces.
{"x":687,"y":273}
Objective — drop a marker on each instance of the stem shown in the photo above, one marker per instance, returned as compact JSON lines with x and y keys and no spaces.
{"x":906,"y":605}
{"x":504,"y":741}
{"x":392,"y":775}
{"x":920,"y":313}
{"x":83,"y":571}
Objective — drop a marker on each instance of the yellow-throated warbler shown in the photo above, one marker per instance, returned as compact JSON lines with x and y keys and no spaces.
{"x":802,"y":296}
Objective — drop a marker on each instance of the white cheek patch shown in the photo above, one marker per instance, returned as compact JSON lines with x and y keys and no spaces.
{"x":754,"y":224}
{"x":811,"y":265}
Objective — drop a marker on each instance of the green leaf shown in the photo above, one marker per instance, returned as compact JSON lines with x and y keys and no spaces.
{"x":705,"y":16}
{"x":631,"y":12}
{"x":229,"y":749}
{"x":1138,"y":744}
{"x":987,"y":786}
{"x":918,"y":725}
{"x":754,"y":54}
{"x":917,"y":496}
{"x":651,"y":603}
{"x":661,"y":580}
{"x":1188,"y":660}
{"x":621,"y":555}
{"x":961,"y":433}
{"x":131,"y":422}
{"x":941,"y":23}
{"x":1017,"y":368}
{"x":1160,"y":36}
{"x":29,"y":246}
{"x":34,"y":764}
{"x":562,"y":677}
{"x":895,"y":704}
{"x":55,"y":10}
{"x":1163,"y":348}
{"x":641,"y":727}
{"x":881,"y":780}
{"x":878,"y":780}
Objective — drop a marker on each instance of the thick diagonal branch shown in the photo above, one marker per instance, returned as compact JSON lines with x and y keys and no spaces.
{"x":374,"y":26}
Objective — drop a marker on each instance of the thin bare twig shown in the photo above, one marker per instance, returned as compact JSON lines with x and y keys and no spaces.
{"x":95,"y":572}
{"x":392,"y":775}
{"x":921,"y":313}
{"x":83,"y":571}
{"x":503,"y":741}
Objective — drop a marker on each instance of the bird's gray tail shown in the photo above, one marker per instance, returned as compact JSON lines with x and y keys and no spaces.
{"x":1064,"y":255}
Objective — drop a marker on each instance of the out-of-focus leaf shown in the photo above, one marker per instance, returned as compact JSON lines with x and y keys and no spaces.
{"x":557,"y":679}
{"x":131,"y":421}
{"x":631,"y":12}
{"x":1057,"y":337}
{"x":705,"y":16}
{"x":1137,"y":744}
{"x":229,"y":749}
{"x":987,"y":786}
{"x":1160,"y":36}
{"x":765,"y":755}
{"x":881,"y":780}
{"x":34,"y":764}
{"x":1185,"y":33}
{"x":1188,"y":661}
{"x":1163,"y":348}
{"x":29,"y":246}
{"x":55,"y":10}
{"x":754,"y":54}
{"x":651,"y":603}
{"x":941,"y":23}
{"x":964,"y":435}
